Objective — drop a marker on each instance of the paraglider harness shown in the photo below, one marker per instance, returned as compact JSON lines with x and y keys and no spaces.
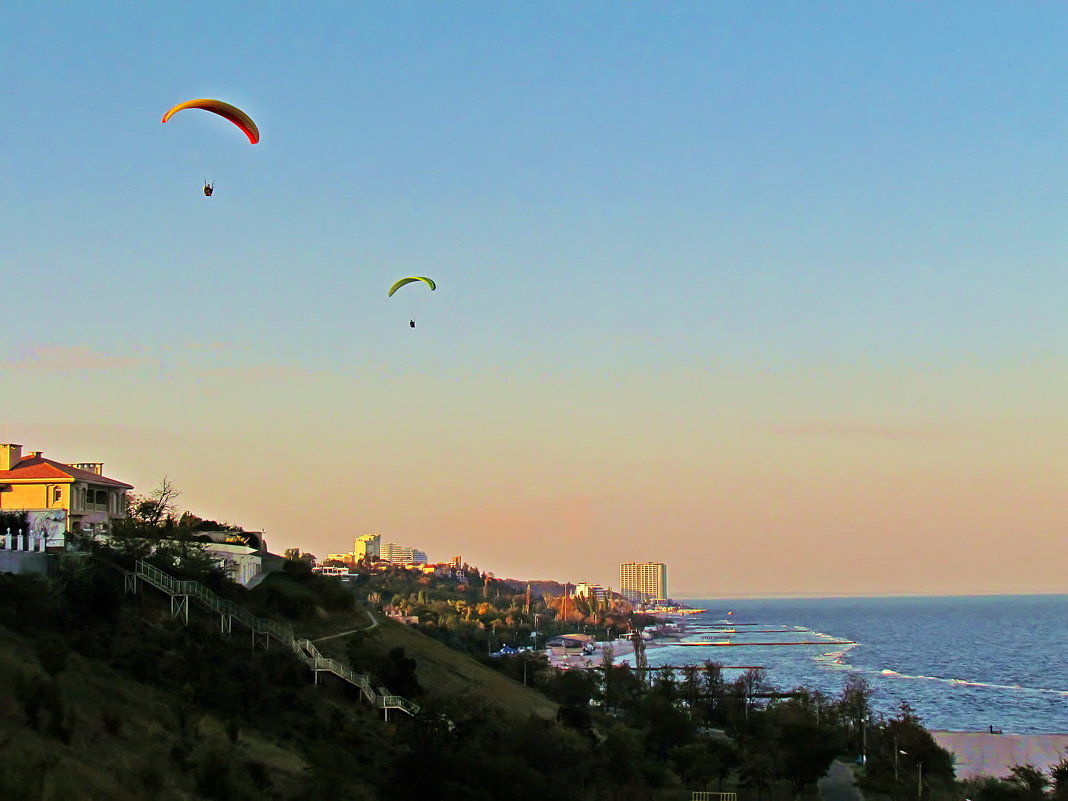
{"x":208,"y":189}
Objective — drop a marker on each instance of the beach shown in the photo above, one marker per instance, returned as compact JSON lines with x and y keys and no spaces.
{"x":985,"y":754}
{"x":622,"y":651}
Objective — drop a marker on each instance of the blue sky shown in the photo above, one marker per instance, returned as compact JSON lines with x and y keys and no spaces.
{"x":678,"y":225}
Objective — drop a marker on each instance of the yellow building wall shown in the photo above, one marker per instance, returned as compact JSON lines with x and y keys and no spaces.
{"x":35,"y":496}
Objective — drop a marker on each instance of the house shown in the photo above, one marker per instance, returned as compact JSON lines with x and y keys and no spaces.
{"x":240,"y":553}
{"x":61,"y":497}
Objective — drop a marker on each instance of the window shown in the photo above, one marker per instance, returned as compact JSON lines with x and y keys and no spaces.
{"x":57,"y":494}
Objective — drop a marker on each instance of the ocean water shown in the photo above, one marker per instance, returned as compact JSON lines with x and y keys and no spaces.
{"x":962,"y":663}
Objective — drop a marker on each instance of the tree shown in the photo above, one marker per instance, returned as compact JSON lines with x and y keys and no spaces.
{"x":397,"y":672}
{"x":757,"y":771}
{"x":1059,"y":776}
{"x":1030,"y":781}
{"x":156,"y":508}
{"x":855,"y":705}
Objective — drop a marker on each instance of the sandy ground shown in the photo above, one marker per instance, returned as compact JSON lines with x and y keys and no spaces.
{"x":983,"y":754}
{"x":622,"y":650}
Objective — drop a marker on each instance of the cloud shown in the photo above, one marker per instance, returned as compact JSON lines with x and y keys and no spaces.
{"x":62,"y":358}
{"x":258,"y":372}
{"x":863,"y":430}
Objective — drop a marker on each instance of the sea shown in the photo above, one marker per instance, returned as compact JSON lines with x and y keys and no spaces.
{"x":961,"y":663}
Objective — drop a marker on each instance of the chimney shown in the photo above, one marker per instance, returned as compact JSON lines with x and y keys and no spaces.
{"x":10,"y":455}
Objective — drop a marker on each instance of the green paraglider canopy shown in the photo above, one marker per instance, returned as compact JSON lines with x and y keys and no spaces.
{"x":410,"y":280}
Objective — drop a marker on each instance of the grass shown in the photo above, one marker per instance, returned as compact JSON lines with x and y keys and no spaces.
{"x":443,"y":672}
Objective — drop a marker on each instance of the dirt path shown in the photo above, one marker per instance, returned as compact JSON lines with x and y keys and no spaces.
{"x":374,"y":622}
{"x":838,"y":785}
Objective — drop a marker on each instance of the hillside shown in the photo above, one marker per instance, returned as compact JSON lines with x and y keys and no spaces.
{"x":89,"y":732}
{"x":112,"y":698}
{"x":443,"y":672}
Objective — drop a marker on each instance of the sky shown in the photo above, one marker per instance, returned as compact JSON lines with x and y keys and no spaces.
{"x":772,"y":293}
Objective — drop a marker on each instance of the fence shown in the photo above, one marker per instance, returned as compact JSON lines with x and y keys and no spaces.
{"x":25,"y":540}
{"x":263,"y":630}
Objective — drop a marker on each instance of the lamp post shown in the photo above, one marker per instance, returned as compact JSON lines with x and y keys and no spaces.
{"x":863,"y":739}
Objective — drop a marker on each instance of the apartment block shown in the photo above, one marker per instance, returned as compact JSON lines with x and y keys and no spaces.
{"x":641,"y":582}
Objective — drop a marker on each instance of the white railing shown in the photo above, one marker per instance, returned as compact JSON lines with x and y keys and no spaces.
{"x":25,"y":540}
{"x":304,"y":649}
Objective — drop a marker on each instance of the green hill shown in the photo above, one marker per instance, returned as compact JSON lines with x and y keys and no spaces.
{"x":442,"y":672}
{"x":113,"y":698}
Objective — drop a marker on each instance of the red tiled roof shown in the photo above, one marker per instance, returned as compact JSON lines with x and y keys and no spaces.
{"x":37,"y":467}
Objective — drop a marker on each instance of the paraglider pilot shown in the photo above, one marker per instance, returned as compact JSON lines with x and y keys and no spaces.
{"x":411,"y":323}
{"x":208,"y":189}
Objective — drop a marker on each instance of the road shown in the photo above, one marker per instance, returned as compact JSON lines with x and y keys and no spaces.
{"x":838,"y":785}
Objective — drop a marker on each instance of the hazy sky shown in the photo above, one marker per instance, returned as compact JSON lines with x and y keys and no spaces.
{"x":771,"y":292}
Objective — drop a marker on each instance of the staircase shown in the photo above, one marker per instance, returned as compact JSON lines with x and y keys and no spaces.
{"x":263,"y":630}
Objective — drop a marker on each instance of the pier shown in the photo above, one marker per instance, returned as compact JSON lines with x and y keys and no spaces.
{"x":755,"y":644}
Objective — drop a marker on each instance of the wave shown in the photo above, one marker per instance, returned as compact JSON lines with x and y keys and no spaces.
{"x":893,"y":674}
{"x":836,"y":660}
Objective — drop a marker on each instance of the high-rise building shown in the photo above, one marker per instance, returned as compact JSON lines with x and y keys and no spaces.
{"x":367,"y":547}
{"x":640,"y":582}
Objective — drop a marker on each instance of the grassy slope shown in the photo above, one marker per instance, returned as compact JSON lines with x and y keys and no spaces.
{"x":96,"y":763}
{"x":442,"y":671}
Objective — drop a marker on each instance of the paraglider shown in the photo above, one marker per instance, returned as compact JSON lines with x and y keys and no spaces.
{"x":208,"y":189}
{"x":412,"y":279}
{"x":224,"y":110}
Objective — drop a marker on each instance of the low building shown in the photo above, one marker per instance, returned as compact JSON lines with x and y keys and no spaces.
{"x":570,"y":643}
{"x":240,"y":553}
{"x":396,"y":554}
{"x":62,"y":497}
{"x":587,"y":590}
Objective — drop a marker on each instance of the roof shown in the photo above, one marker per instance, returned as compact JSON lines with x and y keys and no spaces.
{"x":37,"y":468}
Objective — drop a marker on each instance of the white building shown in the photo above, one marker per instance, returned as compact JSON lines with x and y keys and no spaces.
{"x":640,"y":582}
{"x":588,"y":590}
{"x":402,"y":555}
{"x":240,"y":561}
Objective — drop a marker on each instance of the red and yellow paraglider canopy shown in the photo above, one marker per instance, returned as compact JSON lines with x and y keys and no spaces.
{"x":224,"y":110}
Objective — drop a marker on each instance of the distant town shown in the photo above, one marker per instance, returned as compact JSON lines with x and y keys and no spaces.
{"x":45,"y":502}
